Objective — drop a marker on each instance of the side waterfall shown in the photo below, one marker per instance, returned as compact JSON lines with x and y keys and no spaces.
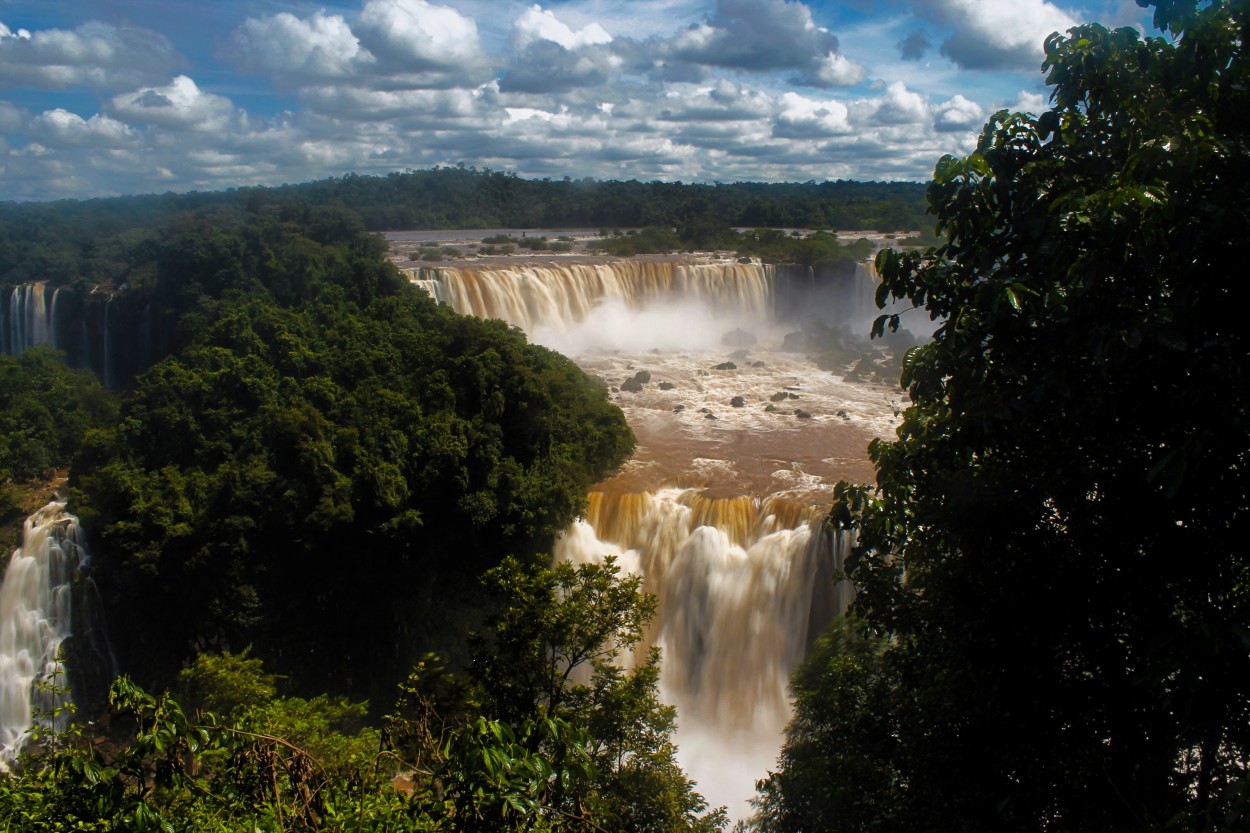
{"x":28,"y":321}
{"x":35,"y":619}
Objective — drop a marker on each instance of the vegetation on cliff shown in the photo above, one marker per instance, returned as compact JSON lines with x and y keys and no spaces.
{"x":1052,"y":569}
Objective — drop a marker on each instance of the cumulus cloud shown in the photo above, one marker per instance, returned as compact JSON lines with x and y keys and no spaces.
{"x":425,"y":108}
{"x":61,"y":128}
{"x":392,"y":44}
{"x":179,"y":105}
{"x":415,"y":36}
{"x":407,"y":83}
{"x":957,"y":115}
{"x":804,"y":118}
{"x":544,"y":66}
{"x":767,"y":35}
{"x":996,"y":35}
{"x":538,"y":24}
{"x":723,"y":102}
{"x":1027,"y":102}
{"x":900,"y":106}
{"x":836,"y":71}
{"x":95,"y":55}
{"x":319,"y":47}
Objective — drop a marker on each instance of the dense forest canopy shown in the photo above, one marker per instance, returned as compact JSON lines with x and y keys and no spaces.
{"x":1054,"y":582}
{"x":304,"y":489}
{"x":111,"y":241}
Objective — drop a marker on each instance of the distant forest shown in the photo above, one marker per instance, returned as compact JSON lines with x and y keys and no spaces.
{"x":103,"y":240}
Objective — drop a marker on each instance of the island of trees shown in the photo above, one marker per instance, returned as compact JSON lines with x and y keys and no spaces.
{"x":1052,"y":631}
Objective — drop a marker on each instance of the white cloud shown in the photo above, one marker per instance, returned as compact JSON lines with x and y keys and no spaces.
{"x":61,"y":128}
{"x":900,"y":106}
{"x":392,"y":44}
{"x":805,"y":118}
{"x":996,"y":35}
{"x":422,"y":107}
{"x":571,"y":88}
{"x":536,"y":24}
{"x":1027,"y":102}
{"x":414,"y":36}
{"x":95,"y":55}
{"x":763,"y":36}
{"x":958,"y":114}
{"x":545,"y":66}
{"x":180,"y":105}
{"x":724,"y":101}
{"x":320,"y":47}
{"x":838,"y":71}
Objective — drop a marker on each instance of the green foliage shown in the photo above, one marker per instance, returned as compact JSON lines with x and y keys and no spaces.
{"x":175,"y":773}
{"x":572,"y":737}
{"x":226,"y":683}
{"x":46,"y":410}
{"x":423,"y":443}
{"x":843,"y":694}
{"x":650,"y":240}
{"x":1055,"y":548}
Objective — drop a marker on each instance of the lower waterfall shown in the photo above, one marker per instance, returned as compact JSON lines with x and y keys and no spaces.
{"x":743,"y":585}
{"x":36,"y":600}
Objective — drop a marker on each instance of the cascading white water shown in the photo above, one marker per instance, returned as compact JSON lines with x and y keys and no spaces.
{"x":29,"y":322}
{"x":559,"y":295}
{"x":743,"y":586}
{"x":743,"y":582}
{"x":35,"y":619}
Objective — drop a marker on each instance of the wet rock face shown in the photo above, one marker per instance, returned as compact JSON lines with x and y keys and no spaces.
{"x":795,"y":342}
{"x":738,"y":402}
{"x":631,"y":385}
{"x":726,"y":366}
{"x":802,"y":414}
{"x":667,"y":386}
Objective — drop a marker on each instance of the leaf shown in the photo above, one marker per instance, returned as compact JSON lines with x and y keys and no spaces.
{"x":1012,"y":297}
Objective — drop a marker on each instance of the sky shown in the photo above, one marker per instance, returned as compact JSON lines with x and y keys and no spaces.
{"x":107,"y":97}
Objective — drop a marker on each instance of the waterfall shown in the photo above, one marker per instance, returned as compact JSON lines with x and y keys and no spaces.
{"x":743,"y":587}
{"x":35,"y":619}
{"x":28,"y":322}
{"x":559,"y":295}
{"x":53,"y":319}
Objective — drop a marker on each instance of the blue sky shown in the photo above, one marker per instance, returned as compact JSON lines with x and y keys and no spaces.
{"x":135,"y":96}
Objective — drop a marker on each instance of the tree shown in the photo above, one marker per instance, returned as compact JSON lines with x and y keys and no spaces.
{"x":549,"y":712}
{"x":1055,"y":546}
{"x":424,"y":445}
{"x":842,"y":692}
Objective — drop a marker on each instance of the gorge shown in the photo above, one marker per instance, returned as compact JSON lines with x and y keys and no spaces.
{"x":721,"y":507}
{"x":740,"y":438}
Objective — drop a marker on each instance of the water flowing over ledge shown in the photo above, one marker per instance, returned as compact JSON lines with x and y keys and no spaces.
{"x":36,"y":616}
